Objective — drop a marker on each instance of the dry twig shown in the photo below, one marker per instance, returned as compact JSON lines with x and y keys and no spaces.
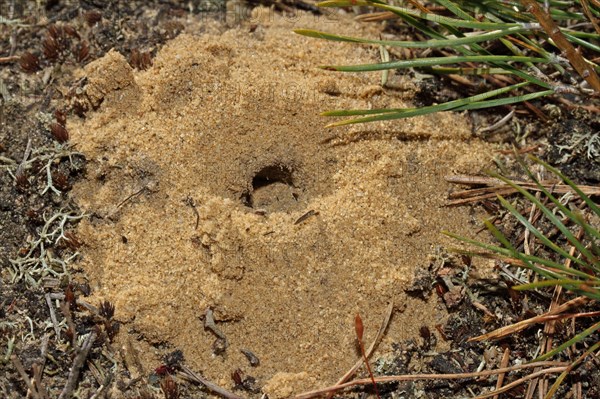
{"x":6,"y":60}
{"x":78,"y":362}
{"x":52,"y":315}
{"x":64,"y":307}
{"x":191,"y":376}
{"x":21,"y":370}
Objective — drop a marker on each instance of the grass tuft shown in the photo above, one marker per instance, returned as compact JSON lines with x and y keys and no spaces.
{"x":567,"y":258}
{"x":533,"y":48}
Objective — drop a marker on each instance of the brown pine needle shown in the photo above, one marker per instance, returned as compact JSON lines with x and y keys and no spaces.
{"x":518,"y":382}
{"x":358,"y":325}
{"x":591,"y":17}
{"x":382,"y":328}
{"x":553,"y":367}
{"x":494,"y":187}
{"x":523,"y":324}
{"x":376,"y":16}
{"x":419,"y":6}
{"x":503,"y":364}
{"x":585,"y":70}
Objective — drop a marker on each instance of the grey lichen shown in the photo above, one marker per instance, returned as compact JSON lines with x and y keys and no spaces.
{"x":38,"y":259}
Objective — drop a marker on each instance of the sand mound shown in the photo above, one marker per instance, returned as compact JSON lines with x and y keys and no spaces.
{"x":201,"y":170}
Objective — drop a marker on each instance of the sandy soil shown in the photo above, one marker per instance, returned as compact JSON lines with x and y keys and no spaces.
{"x":200,"y":169}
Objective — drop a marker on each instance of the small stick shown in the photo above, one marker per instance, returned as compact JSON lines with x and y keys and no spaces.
{"x":496,"y":186}
{"x":39,"y":371}
{"x":475,"y":198}
{"x":88,"y":306}
{"x":52,"y":315}
{"x":37,"y":379}
{"x":358,"y":325}
{"x":44,"y":351}
{"x":64,"y":306}
{"x":504,"y":120}
{"x":209,"y":323}
{"x":77,"y":365}
{"x":21,"y":370}
{"x":523,"y":150}
{"x":473,"y":180}
{"x":6,"y":60}
{"x":190,"y":375}
{"x":21,"y":168}
{"x":521,"y":325}
{"x":582,"y":67}
{"x":481,"y":192}
{"x":308,"y":214}
{"x":138,"y":192}
{"x":190,"y":201}
{"x":520,"y":381}
{"x":548,"y":184}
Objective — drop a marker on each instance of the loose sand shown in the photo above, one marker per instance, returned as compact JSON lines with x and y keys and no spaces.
{"x":199,"y":169}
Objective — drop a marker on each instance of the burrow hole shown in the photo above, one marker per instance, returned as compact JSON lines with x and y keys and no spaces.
{"x":273,"y":189}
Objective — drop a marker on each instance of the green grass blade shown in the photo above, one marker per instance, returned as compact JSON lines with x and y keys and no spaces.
{"x":444,"y":106}
{"x":458,"y":23}
{"x":410,"y":112}
{"x":489,"y":247}
{"x":578,"y":338}
{"x":431,"y":61}
{"x":506,"y":100}
{"x":565,"y":282}
{"x":582,"y":43}
{"x":565,"y":373}
{"x":504,"y":241}
{"x":434,"y":43}
{"x":537,"y":233}
{"x":552,"y":270}
{"x":591,"y":204}
{"x":422,"y":27}
{"x":550,"y":215}
{"x":591,"y":232}
{"x":455,"y":9}
{"x":508,"y":250}
{"x":467,"y":71}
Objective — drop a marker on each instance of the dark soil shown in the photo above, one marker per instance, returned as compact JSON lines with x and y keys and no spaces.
{"x":38,"y":88}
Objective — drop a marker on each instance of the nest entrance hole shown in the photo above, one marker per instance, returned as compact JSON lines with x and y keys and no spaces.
{"x":273,"y":189}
